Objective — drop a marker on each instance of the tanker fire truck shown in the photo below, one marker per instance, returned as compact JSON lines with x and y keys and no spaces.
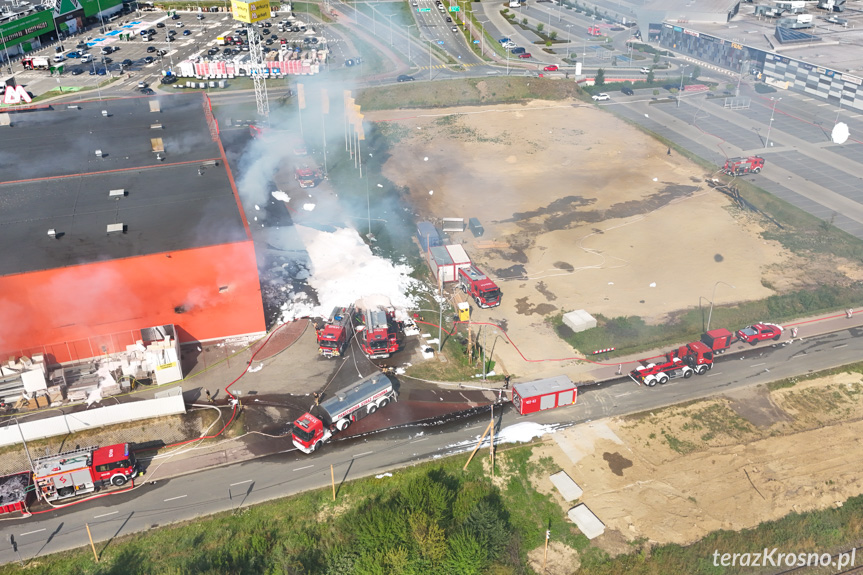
{"x":307,"y":177}
{"x":83,"y":471}
{"x":479,"y":286}
{"x":378,"y":336}
{"x":333,"y":338}
{"x":740,"y":166}
{"x":335,"y":414}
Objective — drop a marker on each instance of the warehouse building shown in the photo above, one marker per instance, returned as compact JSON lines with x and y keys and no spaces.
{"x":116,"y":217}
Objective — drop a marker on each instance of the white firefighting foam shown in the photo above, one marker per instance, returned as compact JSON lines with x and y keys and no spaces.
{"x":344,"y":270}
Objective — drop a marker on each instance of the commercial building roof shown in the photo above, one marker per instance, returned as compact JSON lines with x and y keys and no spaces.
{"x":52,"y":179}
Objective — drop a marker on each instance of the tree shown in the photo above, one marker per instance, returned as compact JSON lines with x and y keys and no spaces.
{"x":599,"y":79}
{"x":524,"y":21}
{"x":614,"y":60}
{"x":656,"y":58}
{"x":696,"y":72}
{"x":553,"y":35}
{"x":539,"y":27}
{"x":650,"y":76}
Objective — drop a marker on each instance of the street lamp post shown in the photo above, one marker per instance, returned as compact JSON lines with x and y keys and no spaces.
{"x":430,"y":60}
{"x":391,"y":28}
{"x":680,"y":90}
{"x":712,"y":299}
{"x":482,"y":36}
{"x":6,"y":50}
{"x":408,"y":34}
{"x":769,"y":126}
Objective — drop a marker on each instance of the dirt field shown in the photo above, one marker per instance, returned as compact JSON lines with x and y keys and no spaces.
{"x":580,"y":211}
{"x":677,"y":474}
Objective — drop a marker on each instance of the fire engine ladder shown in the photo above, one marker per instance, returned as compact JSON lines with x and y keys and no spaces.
{"x":67,"y":454}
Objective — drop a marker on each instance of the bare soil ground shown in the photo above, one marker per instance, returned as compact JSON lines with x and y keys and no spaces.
{"x":675,"y":475}
{"x":581,"y":211}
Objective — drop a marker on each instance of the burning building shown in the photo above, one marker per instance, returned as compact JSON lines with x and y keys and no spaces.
{"x":116,"y":216}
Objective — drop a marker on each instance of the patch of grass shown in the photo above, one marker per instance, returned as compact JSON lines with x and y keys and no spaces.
{"x":469,"y":92}
{"x":679,"y":445}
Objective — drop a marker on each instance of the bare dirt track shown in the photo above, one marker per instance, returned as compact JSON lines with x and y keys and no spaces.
{"x":581,"y":211}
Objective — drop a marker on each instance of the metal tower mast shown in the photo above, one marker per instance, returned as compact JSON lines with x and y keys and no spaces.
{"x":258,"y":69}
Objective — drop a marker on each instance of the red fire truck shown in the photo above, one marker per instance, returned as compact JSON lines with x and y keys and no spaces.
{"x":378,"y":336}
{"x":83,"y":471}
{"x":479,"y":286}
{"x":333,"y":338}
{"x":338,"y":412}
{"x":307,"y":177}
{"x":740,"y":166}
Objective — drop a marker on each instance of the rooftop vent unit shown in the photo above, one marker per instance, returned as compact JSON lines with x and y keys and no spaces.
{"x":98,"y":153}
{"x":73,"y":107}
{"x":116,"y":193}
{"x":105,"y":113}
{"x":115,"y":228}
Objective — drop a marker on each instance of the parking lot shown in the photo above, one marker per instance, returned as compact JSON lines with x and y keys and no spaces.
{"x":173,"y":40}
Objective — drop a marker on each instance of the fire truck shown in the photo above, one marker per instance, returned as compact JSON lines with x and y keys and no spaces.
{"x":594,"y":31}
{"x":337,"y":413}
{"x":307,"y":177}
{"x":378,"y":336}
{"x":740,"y":166}
{"x":479,"y":286}
{"x":333,"y":338}
{"x":36,"y":63}
{"x":83,"y":471}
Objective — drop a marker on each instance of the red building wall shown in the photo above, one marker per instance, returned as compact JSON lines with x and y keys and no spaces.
{"x":71,"y":313}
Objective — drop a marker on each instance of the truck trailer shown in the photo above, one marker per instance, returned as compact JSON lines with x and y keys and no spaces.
{"x":83,"y":471}
{"x":317,"y":426}
{"x":533,"y":396}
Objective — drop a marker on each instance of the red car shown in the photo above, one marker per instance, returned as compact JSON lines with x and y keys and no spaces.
{"x":525,"y":55}
{"x":552,"y":68}
{"x":759,"y":332}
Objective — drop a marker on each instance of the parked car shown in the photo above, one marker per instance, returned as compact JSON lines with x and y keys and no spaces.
{"x":160,"y":25}
{"x":187,"y":32}
{"x":175,"y":17}
{"x":151,"y":49}
{"x":601,"y":97}
{"x":455,"y":28}
{"x":525,"y":55}
{"x":504,"y":40}
{"x":627,"y":90}
{"x":143,"y":85}
{"x":149,"y":60}
{"x":77,"y":71}
{"x":518,"y":50}
{"x":73,"y":55}
{"x":179,"y":24}
{"x":168,"y":80}
{"x":405,"y":78}
{"x":126,"y":63}
{"x":551,"y":68}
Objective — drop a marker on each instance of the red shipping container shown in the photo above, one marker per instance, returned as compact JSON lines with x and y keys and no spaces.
{"x":542,"y":394}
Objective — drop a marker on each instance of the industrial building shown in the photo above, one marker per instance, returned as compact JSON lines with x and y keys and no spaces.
{"x":115,"y":217}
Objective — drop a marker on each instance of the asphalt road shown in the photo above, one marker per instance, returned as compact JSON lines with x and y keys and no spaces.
{"x":290,"y":472}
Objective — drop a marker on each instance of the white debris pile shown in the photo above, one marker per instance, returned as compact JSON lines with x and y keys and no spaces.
{"x":281,"y":196}
{"x":343,"y":269}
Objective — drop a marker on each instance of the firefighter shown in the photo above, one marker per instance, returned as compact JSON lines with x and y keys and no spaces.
{"x":669,"y":150}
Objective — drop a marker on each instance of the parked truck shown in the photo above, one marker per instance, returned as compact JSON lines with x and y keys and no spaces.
{"x":378,"y":333}
{"x":479,"y":286}
{"x":740,"y":166}
{"x":307,"y":177}
{"x":697,"y":357}
{"x":83,"y":471}
{"x":317,"y":426}
{"x":36,"y":63}
{"x":333,"y":338}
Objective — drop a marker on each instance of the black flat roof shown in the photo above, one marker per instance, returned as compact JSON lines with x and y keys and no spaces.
{"x":51,"y":178}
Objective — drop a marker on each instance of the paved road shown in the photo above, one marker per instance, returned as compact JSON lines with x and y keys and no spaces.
{"x":289,"y":472}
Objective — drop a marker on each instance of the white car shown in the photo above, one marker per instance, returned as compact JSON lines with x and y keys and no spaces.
{"x":509,"y":45}
{"x":645,"y":70}
{"x":179,"y":24}
{"x":600,"y":97}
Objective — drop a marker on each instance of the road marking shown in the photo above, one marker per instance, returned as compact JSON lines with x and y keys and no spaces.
{"x":420,"y":439}
{"x":819,"y":105}
{"x":301,"y":468}
{"x":173,"y":498}
{"x":240,"y":482}
{"x":361,"y":454}
{"x":838,"y":346}
{"x":31,"y":532}
{"x":757,"y":364}
{"x":714,"y":374}
{"x":105,"y":514}
{"x":287,"y":450}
